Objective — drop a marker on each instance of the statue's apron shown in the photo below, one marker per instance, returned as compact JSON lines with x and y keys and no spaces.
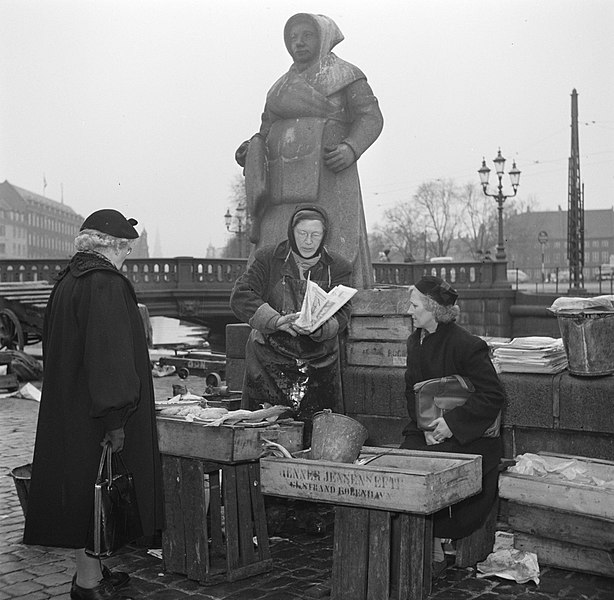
{"x":296,"y":175}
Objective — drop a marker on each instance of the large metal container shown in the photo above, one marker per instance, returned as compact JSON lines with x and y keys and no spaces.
{"x":588,"y":338}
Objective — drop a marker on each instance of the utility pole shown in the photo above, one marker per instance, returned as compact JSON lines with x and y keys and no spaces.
{"x":575,"y":212}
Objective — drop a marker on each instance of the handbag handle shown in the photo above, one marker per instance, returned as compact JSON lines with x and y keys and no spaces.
{"x":464,"y":383}
{"x":107,"y":458}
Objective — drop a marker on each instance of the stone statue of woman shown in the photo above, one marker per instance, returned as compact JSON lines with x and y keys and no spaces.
{"x":318,"y":120}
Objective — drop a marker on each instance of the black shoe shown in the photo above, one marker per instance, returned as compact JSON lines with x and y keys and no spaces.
{"x":103,"y":591}
{"x":117,"y":579}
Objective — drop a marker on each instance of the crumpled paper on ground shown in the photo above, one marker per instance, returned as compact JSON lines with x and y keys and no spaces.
{"x":508,"y":563}
{"x":553,"y":467}
{"x":27,"y":391}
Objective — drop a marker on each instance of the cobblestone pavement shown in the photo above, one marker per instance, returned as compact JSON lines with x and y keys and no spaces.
{"x":300,"y":563}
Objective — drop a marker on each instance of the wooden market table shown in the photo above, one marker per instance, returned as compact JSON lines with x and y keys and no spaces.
{"x":383,"y":516}
{"x":215,"y":519}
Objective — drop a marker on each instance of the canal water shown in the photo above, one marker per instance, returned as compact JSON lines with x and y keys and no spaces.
{"x":169,"y":332}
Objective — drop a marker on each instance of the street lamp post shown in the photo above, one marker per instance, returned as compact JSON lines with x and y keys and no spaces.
{"x":241,"y":221}
{"x":500,"y":197}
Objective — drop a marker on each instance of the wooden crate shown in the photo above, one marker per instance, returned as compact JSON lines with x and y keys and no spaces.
{"x":379,"y":328}
{"x":569,"y":496}
{"x":226,"y":443}
{"x":215,"y":520}
{"x":400,"y":481}
{"x":568,"y":525}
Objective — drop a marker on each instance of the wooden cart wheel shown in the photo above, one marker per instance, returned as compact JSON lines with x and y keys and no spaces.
{"x":11,"y":332}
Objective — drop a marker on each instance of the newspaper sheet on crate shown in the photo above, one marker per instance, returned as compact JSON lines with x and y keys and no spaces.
{"x":319,"y":306}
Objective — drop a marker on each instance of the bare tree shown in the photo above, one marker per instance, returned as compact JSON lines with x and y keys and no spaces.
{"x":401,"y":231}
{"x":478,"y":220}
{"x":437,"y":202}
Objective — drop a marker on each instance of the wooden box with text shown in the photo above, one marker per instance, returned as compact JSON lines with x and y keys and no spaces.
{"x":398,"y":481}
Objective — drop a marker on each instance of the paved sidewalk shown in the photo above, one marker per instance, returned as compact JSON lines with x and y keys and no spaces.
{"x":37,"y":573}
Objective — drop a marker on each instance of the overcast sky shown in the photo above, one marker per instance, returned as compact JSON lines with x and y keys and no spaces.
{"x":140,"y":105}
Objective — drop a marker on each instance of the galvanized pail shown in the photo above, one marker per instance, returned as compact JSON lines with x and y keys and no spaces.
{"x":588,"y":339}
{"x":22,"y":476}
{"x":336,"y":437}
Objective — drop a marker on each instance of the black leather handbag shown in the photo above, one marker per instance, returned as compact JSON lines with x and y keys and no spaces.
{"x":434,"y":397}
{"x":116,"y":520}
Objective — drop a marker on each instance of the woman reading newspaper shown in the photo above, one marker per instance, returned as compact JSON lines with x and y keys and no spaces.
{"x":292,"y":358}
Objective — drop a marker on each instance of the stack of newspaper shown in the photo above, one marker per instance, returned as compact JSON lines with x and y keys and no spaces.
{"x":532,"y":354}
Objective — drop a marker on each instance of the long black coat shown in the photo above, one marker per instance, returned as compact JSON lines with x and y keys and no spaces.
{"x":452,"y":350}
{"x":97,"y":377}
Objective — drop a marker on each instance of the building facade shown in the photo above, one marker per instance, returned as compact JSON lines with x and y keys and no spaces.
{"x":524,"y":250}
{"x":33,"y":226}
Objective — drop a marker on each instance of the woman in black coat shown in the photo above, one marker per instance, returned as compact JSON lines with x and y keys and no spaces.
{"x":97,"y":388}
{"x":439,"y":347}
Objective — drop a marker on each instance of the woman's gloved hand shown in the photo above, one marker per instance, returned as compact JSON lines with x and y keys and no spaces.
{"x":285,"y":323}
{"x":441,"y":431}
{"x":116,"y":438}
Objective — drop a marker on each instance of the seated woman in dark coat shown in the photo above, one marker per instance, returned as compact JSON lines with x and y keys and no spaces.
{"x":439,"y":347}
{"x":285,"y":364}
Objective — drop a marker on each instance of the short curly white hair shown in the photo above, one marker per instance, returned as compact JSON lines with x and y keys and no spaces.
{"x":92,"y":239}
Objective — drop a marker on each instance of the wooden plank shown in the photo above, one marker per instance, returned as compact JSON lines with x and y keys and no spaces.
{"x":350,"y":554}
{"x":244,"y":511}
{"x":584,"y":499}
{"x":566,"y":556}
{"x":401,"y":557}
{"x":218,"y":548}
{"x":231,"y":518}
{"x":378,"y":301}
{"x":235,"y":372}
{"x":399,"y":481}
{"x":561,"y":525}
{"x":378,"y":577}
{"x":173,"y":540}
{"x":397,"y":327}
{"x":376,"y":354}
{"x":264,"y":551}
{"x":223,"y":444}
{"x":195,"y":519}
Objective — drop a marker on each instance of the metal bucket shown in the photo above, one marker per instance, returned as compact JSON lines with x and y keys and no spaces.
{"x":22,"y":476}
{"x":588,"y":339}
{"x":336,"y":437}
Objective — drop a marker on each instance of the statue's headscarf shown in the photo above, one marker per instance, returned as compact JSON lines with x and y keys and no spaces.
{"x":330,"y":35}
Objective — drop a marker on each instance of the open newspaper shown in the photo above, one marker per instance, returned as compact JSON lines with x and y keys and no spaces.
{"x":319,"y":306}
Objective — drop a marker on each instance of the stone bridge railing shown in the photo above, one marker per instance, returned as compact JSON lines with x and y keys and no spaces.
{"x":187,"y":273}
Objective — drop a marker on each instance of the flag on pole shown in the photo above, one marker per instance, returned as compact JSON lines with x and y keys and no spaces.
{"x":44,"y":184}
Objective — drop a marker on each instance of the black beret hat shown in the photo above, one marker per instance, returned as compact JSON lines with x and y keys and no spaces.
{"x":111,"y":222}
{"x":437,"y":289}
